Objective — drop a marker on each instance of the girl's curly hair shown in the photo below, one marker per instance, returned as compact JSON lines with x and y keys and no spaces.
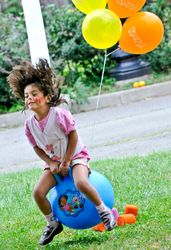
{"x":41,"y":75}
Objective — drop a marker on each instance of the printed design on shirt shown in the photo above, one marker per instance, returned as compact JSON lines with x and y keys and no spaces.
{"x":71,"y":203}
{"x":51,"y":152}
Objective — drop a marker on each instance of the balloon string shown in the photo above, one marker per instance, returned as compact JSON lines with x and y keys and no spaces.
{"x":98,"y":98}
{"x":113,"y":51}
{"x":102,"y":76}
{"x":99,"y":93}
{"x":101,"y":81}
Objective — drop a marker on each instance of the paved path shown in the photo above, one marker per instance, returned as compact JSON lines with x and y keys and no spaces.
{"x":133,"y":129}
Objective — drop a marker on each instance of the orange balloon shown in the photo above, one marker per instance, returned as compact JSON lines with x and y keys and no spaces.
{"x":141,"y":33}
{"x":125,"y":8}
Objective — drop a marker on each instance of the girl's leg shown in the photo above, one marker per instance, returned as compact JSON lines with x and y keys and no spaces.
{"x":80,"y":175}
{"x":45,"y":183}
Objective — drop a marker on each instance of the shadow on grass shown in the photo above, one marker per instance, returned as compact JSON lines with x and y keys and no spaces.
{"x":79,"y":242}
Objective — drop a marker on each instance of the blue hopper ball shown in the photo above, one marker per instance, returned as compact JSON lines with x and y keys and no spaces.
{"x":72,"y":207}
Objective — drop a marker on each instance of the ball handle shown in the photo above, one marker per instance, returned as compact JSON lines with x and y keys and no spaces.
{"x":59,"y":179}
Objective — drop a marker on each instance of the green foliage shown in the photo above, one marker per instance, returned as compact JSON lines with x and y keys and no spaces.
{"x":12,"y":7}
{"x":13,"y":41}
{"x":13,"y":49}
{"x":6,"y":99}
{"x":160,"y":58}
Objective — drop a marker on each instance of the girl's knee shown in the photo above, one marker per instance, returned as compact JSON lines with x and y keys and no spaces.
{"x":82,"y":185}
{"x":37,"y":194}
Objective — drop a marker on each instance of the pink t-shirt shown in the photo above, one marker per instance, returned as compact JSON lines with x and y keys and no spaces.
{"x":65,"y":121}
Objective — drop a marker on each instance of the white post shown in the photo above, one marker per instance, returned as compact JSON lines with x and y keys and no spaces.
{"x":35,"y":30}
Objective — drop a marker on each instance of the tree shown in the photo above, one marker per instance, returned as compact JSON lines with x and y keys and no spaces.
{"x":10,"y":6}
{"x":58,"y":3}
{"x":13,"y":6}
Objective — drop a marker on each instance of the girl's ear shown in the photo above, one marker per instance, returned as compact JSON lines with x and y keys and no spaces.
{"x":48,"y":98}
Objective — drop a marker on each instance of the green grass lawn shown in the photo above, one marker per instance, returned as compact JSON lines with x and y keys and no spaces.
{"x":142,"y":181}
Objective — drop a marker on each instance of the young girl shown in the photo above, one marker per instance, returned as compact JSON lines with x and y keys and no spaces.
{"x":52,"y":133}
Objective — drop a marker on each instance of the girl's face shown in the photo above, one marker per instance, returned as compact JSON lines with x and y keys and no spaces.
{"x":34,"y":98}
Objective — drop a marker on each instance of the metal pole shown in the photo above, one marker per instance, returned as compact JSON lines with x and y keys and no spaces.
{"x":35,"y":30}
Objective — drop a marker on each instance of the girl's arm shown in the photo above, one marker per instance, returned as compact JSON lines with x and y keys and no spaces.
{"x":72,"y":143}
{"x":52,"y":164}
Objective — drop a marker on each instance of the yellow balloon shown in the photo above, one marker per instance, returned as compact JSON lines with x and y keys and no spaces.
{"x":101,"y":28}
{"x":86,"y":6}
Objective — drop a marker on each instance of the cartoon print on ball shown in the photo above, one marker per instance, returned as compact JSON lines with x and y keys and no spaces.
{"x":71,"y":202}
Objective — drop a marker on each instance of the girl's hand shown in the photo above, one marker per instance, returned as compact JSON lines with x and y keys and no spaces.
{"x":54,"y":167}
{"x":64,"y":168}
